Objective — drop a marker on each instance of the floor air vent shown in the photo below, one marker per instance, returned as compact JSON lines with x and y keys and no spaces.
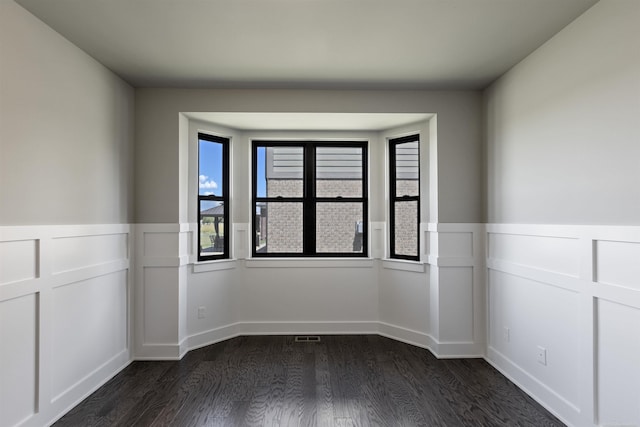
{"x":307,"y":338}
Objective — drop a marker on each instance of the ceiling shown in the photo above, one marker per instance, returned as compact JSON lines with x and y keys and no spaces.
{"x":373,"y":44}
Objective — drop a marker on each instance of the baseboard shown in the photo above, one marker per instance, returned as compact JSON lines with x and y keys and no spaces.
{"x":212,"y":336}
{"x":441,"y":350}
{"x":89,"y":385}
{"x":407,"y":336}
{"x":564,"y":410}
{"x":300,"y":328}
{"x":459,"y":350}
{"x":160,"y":352}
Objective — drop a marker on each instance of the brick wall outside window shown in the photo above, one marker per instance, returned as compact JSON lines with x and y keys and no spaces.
{"x":335,"y":222}
{"x":406,"y":233}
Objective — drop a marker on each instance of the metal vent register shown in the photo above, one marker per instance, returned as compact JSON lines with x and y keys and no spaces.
{"x":307,"y":338}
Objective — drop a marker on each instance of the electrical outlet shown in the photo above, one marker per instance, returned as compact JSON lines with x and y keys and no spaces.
{"x":506,"y":334}
{"x":542,"y":355}
{"x":201,"y":312}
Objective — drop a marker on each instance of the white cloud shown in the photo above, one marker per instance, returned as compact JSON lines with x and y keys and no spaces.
{"x":205,"y":182}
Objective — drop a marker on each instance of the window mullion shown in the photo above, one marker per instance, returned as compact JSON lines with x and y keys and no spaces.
{"x":339,"y":199}
{"x":309,"y":221}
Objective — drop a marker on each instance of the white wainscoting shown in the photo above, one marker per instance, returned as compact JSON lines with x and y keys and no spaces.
{"x":455,"y":253}
{"x":65,"y":300}
{"x":439,"y":303}
{"x":181,"y":304}
{"x":66,"y":309}
{"x":574,"y":291}
{"x":162,"y":254}
{"x":221,"y":299}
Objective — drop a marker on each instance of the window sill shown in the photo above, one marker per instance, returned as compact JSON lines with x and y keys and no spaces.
{"x":309,"y":263}
{"x":403,"y":265}
{"x":217,"y":265}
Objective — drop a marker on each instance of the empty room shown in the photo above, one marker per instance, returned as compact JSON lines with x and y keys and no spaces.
{"x":319,"y":212}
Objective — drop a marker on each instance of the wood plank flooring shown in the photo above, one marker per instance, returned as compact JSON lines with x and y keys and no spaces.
{"x":341,"y":381}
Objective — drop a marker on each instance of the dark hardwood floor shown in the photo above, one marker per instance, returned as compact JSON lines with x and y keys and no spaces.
{"x":340,"y":381}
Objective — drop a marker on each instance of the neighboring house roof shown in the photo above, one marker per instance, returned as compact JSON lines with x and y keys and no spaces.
{"x":215,"y":211}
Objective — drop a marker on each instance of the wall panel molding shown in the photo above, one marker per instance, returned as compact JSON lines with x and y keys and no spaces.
{"x":162,"y":254}
{"x":75,"y":277}
{"x":573,"y":290}
{"x":496,"y":291}
{"x":455,"y":254}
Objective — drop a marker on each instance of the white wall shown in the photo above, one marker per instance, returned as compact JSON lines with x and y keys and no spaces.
{"x":562,"y":126}
{"x":66,"y":132}
{"x":158,"y":173}
{"x":550,"y":122}
{"x":296,"y":296}
{"x":249,"y":296}
{"x":563,"y":142}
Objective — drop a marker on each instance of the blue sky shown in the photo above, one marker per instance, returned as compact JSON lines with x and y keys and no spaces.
{"x":210,"y":169}
{"x":262,"y":190}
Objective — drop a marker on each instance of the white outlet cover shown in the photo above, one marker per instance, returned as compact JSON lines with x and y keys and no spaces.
{"x":542,"y":355}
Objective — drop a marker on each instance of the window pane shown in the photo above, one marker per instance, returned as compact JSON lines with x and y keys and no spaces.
{"x":406,"y":228}
{"x":407,"y":169}
{"x":278,"y":227}
{"x":280,"y":172}
{"x":284,"y":188}
{"x":339,"y":227}
{"x":338,"y":171}
{"x":210,"y":168}
{"x":212,"y":228}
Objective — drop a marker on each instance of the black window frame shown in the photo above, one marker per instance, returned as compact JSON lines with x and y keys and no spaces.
{"x":224,"y":198}
{"x":395,"y":198}
{"x":309,"y":199}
